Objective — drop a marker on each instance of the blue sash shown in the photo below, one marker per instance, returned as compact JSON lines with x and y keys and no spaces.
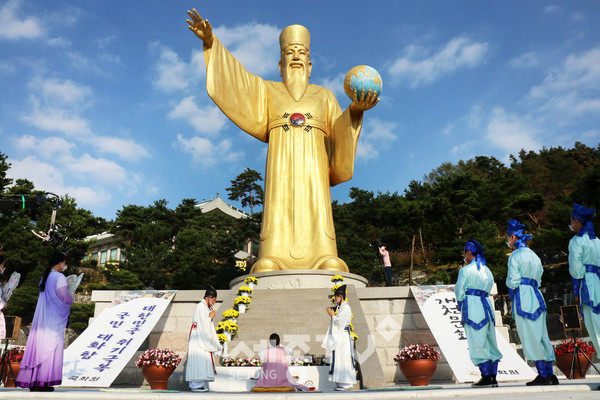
{"x":585,"y":295}
{"x":536,"y":314}
{"x":488,"y":313}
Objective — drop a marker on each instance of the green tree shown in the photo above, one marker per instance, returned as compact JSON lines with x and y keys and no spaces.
{"x":245,"y":188}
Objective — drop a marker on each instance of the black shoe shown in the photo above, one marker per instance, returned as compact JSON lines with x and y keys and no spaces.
{"x":540,"y":381}
{"x":554,"y":379}
{"x":486,"y":381}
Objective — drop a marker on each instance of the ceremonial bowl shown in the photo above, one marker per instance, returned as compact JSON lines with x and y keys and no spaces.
{"x":362,"y":77}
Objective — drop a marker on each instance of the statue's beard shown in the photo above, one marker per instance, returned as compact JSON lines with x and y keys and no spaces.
{"x":296,"y":81}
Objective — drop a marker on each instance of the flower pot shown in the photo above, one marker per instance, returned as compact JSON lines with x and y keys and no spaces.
{"x":250,"y":285}
{"x":224,"y":350}
{"x":337,"y":282}
{"x":246,"y":294}
{"x":242,"y":308}
{"x":8,"y":379}
{"x":231,"y":319}
{"x":228,"y":334}
{"x":418,"y":372}
{"x":157,"y":377}
{"x":563,"y":362}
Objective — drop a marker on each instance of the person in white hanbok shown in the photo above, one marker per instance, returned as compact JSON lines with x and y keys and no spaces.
{"x":202,"y":344}
{"x":339,"y":344}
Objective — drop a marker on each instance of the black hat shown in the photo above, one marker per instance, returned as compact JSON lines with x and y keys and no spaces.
{"x":341,"y":291}
{"x":210,"y":292}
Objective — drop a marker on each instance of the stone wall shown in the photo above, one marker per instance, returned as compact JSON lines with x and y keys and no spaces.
{"x":391,"y":313}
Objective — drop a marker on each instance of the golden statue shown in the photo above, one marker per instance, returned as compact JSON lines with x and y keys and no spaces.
{"x":312,"y":145}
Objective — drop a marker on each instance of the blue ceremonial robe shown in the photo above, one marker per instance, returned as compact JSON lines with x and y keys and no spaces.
{"x":529,"y":309}
{"x":472,"y":292}
{"x":584,"y":255}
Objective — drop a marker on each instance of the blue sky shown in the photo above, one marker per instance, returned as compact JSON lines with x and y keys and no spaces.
{"x":106,"y":100}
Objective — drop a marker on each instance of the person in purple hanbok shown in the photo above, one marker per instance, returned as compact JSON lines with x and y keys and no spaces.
{"x":41,"y":368}
{"x":275,"y":375}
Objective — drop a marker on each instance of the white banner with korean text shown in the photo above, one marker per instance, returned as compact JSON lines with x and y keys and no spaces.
{"x":101,"y":352}
{"x":439,"y":307}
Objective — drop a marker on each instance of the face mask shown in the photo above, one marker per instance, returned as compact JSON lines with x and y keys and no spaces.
{"x":571,"y":228}
{"x":508,"y":244}
{"x":465,"y":260}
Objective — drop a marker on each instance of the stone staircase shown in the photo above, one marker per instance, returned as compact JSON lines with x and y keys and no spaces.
{"x":300,"y":319}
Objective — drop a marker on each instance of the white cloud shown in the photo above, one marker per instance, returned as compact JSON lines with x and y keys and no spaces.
{"x":13,"y":26}
{"x":7,"y":67}
{"x":527,"y":60}
{"x":174,"y":74}
{"x":51,"y":178}
{"x":470,"y":122}
{"x":572,"y":88}
{"x":336,"y":85}
{"x":56,"y":106}
{"x":98,"y":170}
{"x":63,"y":93}
{"x":56,"y":119}
{"x":511,"y":132}
{"x":124,"y":148}
{"x":205,"y":152}
{"x":256,"y":46}
{"x":208,"y":120}
{"x":420,"y":66}
{"x":376,"y":135}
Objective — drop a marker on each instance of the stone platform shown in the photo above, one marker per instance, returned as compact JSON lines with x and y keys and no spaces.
{"x":299,"y":279}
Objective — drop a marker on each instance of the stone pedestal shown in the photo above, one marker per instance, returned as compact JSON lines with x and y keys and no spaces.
{"x":299,"y":279}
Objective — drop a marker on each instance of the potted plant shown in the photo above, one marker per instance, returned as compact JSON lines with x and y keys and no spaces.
{"x":244,"y":291}
{"x":251,"y":282}
{"x":157,"y":366}
{"x":418,"y":362}
{"x":337,"y":280}
{"x":231,"y":315}
{"x":15,"y":355}
{"x":564,"y":355}
{"x":241,"y":302}
{"x":228,"y":328}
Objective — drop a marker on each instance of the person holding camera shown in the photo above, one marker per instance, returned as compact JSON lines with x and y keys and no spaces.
{"x":472,"y":290}
{"x":386,"y":264}
{"x":523,"y":279}
{"x":584,"y":267}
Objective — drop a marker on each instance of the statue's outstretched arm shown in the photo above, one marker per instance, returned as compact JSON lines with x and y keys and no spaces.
{"x":201,"y":27}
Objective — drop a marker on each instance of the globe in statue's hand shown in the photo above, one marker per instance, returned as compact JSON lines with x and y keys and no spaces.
{"x":362,"y":77}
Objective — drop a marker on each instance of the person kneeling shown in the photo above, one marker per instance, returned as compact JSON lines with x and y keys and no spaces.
{"x":275,"y":375}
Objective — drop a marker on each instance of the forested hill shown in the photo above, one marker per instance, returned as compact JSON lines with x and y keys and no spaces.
{"x":472,"y":199}
{"x":182,"y":248}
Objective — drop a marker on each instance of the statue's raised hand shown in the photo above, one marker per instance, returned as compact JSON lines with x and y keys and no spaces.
{"x":365,"y":102}
{"x":201,"y":27}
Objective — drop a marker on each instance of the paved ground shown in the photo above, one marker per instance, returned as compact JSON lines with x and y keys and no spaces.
{"x":580,"y":389}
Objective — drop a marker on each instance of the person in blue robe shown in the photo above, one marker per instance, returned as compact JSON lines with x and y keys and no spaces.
{"x":584,"y":267}
{"x":523,"y":279}
{"x":472,"y":289}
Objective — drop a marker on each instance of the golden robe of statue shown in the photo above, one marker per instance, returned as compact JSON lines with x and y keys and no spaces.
{"x":312,"y":145}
